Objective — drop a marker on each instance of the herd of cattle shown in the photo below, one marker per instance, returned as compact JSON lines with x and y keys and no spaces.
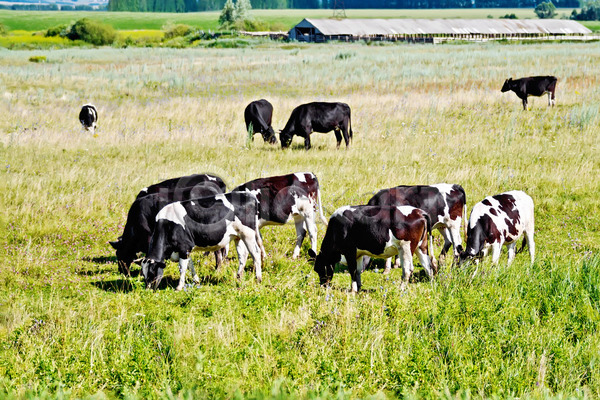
{"x":169,"y":219}
{"x":326,"y":117}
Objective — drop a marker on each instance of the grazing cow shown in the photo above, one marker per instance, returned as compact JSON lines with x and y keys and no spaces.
{"x":88,"y":116}
{"x":531,"y":86}
{"x":444,"y":203}
{"x":498,"y":220}
{"x":289,"y":197}
{"x":141,"y":220}
{"x":208,"y":224}
{"x":318,"y":117}
{"x":377,"y":231}
{"x":170,"y":185}
{"x":258,"y":115}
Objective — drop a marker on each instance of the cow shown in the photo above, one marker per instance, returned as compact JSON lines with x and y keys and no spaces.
{"x":88,"y":116}
{"x":170,"y":185}
{"x":444,"y":203}
{"x":289,"y":197}
{"x":376,"y":231}
{"x":500,"y":220}
{"x":141,"y":220}
{"x":258,"y":116}
{"x":318,"y":117}
{"x":532,"y":86}
{"x":208,"y":224}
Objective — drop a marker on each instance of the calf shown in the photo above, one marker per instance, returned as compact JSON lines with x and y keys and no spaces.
{"x":88,"y":116}
{"x":498,"y":220}
{"x":171,"y":185}
{"x":377,"y":231}
{"x":208,"y":224}
{"x":531,"y":86}
{"x":289,"y":197}
{"x":258,"y":115}
{"x":444,"y":203}
{"x":141,"y":220}
{"x":318,"y":117}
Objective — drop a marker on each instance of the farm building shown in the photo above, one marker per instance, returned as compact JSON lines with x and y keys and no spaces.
{"x":434,"y":30}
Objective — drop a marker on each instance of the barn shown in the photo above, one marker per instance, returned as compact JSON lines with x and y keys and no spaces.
{"x":435,"y":30}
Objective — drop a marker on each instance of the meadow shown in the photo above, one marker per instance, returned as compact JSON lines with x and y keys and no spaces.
{"x":72,"y":327}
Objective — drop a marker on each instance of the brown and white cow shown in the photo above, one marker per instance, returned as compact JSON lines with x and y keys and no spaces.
{"x":289,"y":197}
{"x":444,"y":203}
{"x":500,"y":220}
{"x":532,"y":86}
{"x":376,"y":231}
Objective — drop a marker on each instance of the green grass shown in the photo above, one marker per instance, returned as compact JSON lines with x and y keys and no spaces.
{"x":71,"y":326}
{"x":278,"y":19}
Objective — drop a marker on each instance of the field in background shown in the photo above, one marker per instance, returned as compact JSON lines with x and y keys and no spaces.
{"x":278,"y":19}
{"x":420,"y":114}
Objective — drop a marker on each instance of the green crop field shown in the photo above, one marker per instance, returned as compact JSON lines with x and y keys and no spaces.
{"x":72,"y":327}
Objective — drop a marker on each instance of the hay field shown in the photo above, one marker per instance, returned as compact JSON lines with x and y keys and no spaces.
{"x":71,"y":326}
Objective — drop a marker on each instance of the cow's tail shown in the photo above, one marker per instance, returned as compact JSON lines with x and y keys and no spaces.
{"x":323,"y":219}
{"x":464,"y":213}
{"x":429,"y":234}
{"x":523,"y":244}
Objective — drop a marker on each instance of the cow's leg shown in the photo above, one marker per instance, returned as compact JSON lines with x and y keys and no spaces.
{"x":553,"y":98}
{"x":193,"y":272}
{"x":183,"y":264}
{"x":405,"y":256}
{"x":530,"y":244}
{"x":525,"y":103}
{"x":344,"y":129}
{"x":252,"y":245}
{"x":388,"y":265}
{"x":300,"y":234}
{"x":496,"y":249}
{"x":425,"y":261}
{"x":512,"y":248}
{"x":310,"y":224}
{"x":242,"y":257}
{"x":354,"y":271}
{"x":218,"y":259}
{"x":447,"y":243}
{"x":338,"y":137}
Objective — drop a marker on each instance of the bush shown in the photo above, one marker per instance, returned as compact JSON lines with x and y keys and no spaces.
{"x":92,"y":32}
{"x":545,"y":10}
{"x":3,"y":30}
{"x":509,"y":16}
{"x":37,"y":59}
{"x":587,"y":13}
{"x":173,"y":31}
{"x":58,"y":30}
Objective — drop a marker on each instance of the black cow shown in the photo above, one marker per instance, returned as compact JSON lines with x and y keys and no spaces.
{"x":208,"y":224}
{"x":318,"y":117}
{"x":170,"y":185}
{"x":444,"y":203}
{"x":289,"y":197}
{"x":500,"y":220}
{"x":258,"y":116}
{"x":141,"y":220}
{"x":377,"y":231}
{"x":531,"y":86}
{"x":88,"y":116}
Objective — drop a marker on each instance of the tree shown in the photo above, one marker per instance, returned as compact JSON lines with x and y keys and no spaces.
{"x":242,"y":10}
{"x":227,"y":16}
{"x":545,"y":10}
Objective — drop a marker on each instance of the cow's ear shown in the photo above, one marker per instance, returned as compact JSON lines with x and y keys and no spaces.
{"x":115,"y":244}
{"x":312,"y":254}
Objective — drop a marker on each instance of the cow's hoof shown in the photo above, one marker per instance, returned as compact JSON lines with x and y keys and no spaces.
{"x":179,"y":288}
{"x":386,"y":271}
{"x":196,"y":279}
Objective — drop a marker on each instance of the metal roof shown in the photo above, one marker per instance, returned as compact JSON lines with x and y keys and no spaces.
{"x":370,"y":27}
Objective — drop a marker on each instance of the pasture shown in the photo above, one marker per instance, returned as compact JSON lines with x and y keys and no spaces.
{"x":71,"y":326}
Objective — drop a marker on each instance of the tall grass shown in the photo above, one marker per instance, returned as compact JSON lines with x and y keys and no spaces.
{"x":70,"y":325}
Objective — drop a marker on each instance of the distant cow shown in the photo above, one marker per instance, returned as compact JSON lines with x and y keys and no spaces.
{"x":531,"y":86}
{"x":170,"y":185}
{"x":444,"y":203}
{"x":88,"y":116}
{"x":258,"y":116}
{"x":498,"y":220}
{"x":141,"y":220}
{"x":318,"y":117}
{"x":289,"y":197}
{"x":377,"y":231}
{"x":207,"y":224}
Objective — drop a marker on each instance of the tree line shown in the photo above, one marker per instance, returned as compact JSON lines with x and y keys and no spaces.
{"x":214,"y":5}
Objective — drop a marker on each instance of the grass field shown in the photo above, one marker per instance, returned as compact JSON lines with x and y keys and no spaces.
{"x":277,"y":19}
{"x":71,"y":326}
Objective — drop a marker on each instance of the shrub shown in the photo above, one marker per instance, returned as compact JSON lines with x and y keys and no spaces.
{"x":545,"y":10}
{"x":58,"y":30}
{"x":3,"y":30}
{"x":37,"y":59}
{"x":589,"y":12}
{"x":509,"y":16}
{"x":92,"y":32}
{"x":173,"y":31}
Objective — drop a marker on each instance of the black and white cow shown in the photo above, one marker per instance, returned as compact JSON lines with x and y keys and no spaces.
{"x":171,"y":185}
{"x":207,"y":224}
{"x":88,"y":116}
{"x":444,"y":203}
{"x":318,"y":117}
{"x":376,"y":231}
{"x":532,"y":86}
{"x":289,"y":197}
{"x":141,"y":220}
{"x":258,"y":116}
{"x":500,"y":220}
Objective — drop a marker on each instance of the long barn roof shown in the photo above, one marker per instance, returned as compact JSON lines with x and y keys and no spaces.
{"x":367,"y":27}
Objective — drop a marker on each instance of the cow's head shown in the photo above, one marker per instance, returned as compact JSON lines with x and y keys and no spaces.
{"x":506,"y":86}
{"x":285,"y":137}
{"x":124,"y":259}
{"x":323,"y":267}
{"x":153,"y":272}
{"x":269,"y":136}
